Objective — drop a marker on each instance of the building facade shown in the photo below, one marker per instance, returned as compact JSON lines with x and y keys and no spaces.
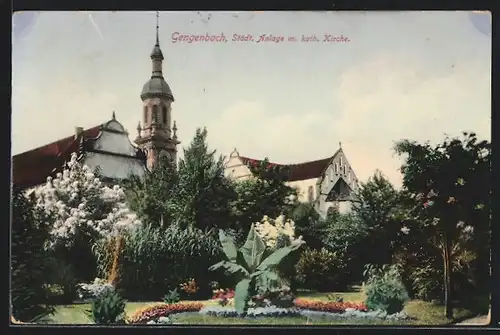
{"x":327,"y":183}
{"x":107,"y":145}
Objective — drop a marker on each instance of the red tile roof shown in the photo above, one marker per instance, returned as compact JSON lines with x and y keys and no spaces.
{"x":32,"y":167}
{"x":301,"y":171}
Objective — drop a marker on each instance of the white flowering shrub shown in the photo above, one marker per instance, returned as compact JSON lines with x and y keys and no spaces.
{"x":81,"y":204}
{"x":272,"y":231}
{"x":95,"y":289}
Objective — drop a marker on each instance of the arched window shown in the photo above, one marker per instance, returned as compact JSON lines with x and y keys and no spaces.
{"x":340,"y":160}
{"x":310,"y":194}
{"x":164,"y":114}
{"x":146,"y":121}
{"x":155,"y":114}
{"x":336,"y":168}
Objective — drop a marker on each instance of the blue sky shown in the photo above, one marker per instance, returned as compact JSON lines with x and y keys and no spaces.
{"x":414,"y":75}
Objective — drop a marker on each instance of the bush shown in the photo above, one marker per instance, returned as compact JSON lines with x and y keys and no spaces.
{"x":172,"y":297}
{"x":94,"y":290}
{"x":384,"y":289}
{"x":155,"y":260}
{"x":62,"y":275}
{"x":108,"y":308}
{"x":320,"y":270}
{"x":347,"y":235}
{"x":28,"y":262}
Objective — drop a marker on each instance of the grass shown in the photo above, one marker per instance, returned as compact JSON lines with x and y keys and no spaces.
{"x":424,"y":313}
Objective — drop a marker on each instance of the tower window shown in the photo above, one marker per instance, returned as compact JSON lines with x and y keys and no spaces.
{"x":340,"y":159}
{"x":164,"y":114}
{"x":146,"y":116}
{"x":310,"y":194}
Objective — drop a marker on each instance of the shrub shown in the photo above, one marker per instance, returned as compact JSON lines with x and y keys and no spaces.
{"x":107,"y":308}
{"x":426,"y":282}
{"x":328,"y":306}
{"x":189,"y":287}
{"x":347,"y":235}
{"x":155,"y":260}
{"x":384,"y":289}
{"x":278,"y":297}
{"x":143,"y":315}
{"x":61,"y":276}
{"x":28,"y":262}
{"x":320,"y":270}
{"x":172,"y":297}
{"x":94,"y":290}
{"x":224,"y":297}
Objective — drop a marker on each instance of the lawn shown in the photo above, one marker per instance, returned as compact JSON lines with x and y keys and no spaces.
{"x":425,"y":313}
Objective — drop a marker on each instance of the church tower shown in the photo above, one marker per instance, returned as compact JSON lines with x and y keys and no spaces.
{"x":157,"y":137}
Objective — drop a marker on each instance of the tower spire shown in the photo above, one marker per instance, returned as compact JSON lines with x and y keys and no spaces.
{"x":157,"y":28}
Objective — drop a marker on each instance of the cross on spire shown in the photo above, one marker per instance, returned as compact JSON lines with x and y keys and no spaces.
{"x":157,"y":28}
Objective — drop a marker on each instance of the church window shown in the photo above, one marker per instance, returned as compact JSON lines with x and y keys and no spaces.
{"x":336,"y":168}
{"x":340,"y":160}
{"x":146,"y":115}
{"x":155,"y":113}
{"x":164,"y":114}
{"x":310,"y":194}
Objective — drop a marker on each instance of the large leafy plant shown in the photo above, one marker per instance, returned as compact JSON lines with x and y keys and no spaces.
{"x":253,"y":264}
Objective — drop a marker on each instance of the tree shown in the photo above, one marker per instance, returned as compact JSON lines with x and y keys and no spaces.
{"x":203,"y":194}
{"x":28,"y":261}
{"x":309,"y":224}
{"x":266,"y":194}
{"x":348,"y":237}
{"x":451,"y":185}
{"x":83,"y":210}
{"x":377,"y":204}
{"x":151,"y":196}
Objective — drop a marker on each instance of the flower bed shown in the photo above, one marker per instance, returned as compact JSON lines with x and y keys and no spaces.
{"x":311,"y":309}
{"x":328,"y":306}
{"x":154,"y":312}
{"x":251,"y":312}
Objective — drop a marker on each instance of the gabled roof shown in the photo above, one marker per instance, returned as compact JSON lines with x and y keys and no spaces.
{"x":300,"y":171}
{"x":32,"y":167}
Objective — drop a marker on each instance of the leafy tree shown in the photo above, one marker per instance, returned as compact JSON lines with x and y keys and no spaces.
{"x":28,"y":261}
{"x":308,"y":224}
{"x":377,"y":204}
{"x":451,"y":185}
{"x":267,"y":194}
{"x":347,"y":236}
{"x":151,"y":196}
{"x":203,"y":194}
{"x":82,"y":210}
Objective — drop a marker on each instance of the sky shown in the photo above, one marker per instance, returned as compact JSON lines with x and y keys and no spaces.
{"x":389,"y":76}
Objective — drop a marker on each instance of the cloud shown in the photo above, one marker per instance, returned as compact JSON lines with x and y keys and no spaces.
{"x":384,"y":99}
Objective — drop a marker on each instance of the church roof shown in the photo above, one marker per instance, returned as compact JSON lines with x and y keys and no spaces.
{"x":32,"y":167}
{"x":156,"y":87}
{"x":300,"y":171}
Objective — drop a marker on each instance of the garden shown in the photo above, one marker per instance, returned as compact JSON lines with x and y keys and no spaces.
{"x":186,"y":245}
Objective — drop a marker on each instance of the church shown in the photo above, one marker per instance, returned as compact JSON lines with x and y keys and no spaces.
{"x":108,"y":145}
{"x":327,"y":183}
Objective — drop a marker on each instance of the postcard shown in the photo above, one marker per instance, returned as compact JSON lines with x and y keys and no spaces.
{"x":251,"y":168}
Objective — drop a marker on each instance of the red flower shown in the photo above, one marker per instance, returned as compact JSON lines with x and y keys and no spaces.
{"x":154,"y":312}
{"x":331,"y":307}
